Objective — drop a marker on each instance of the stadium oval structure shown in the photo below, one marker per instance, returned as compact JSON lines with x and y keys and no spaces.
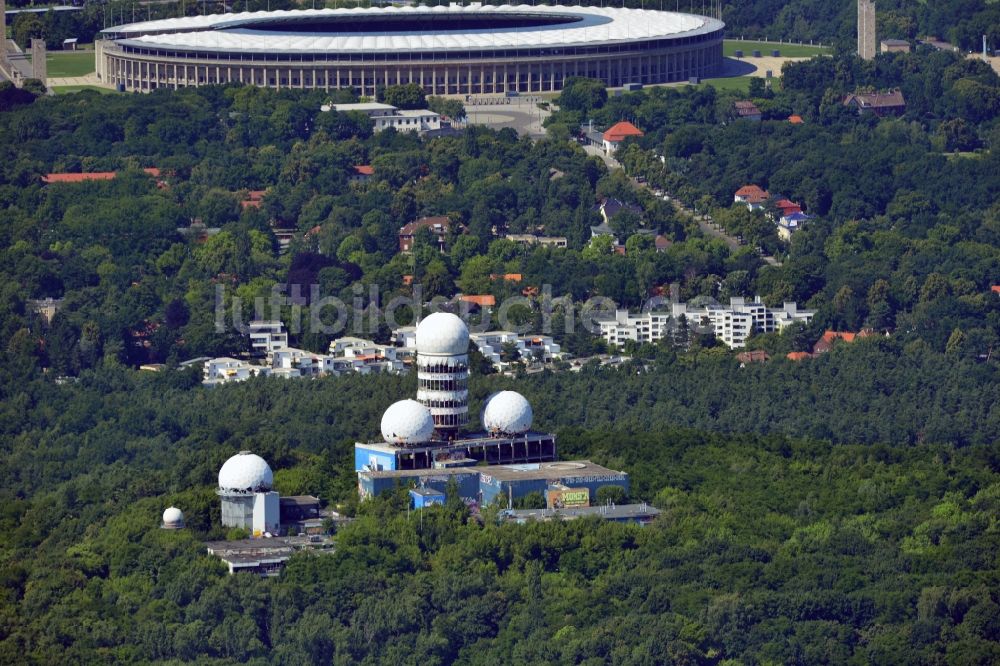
{"x":448,"y":50}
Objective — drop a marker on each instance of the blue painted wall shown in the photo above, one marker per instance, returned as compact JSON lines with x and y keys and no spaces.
{"x":421,"y":501}
{"x":364,"y":456}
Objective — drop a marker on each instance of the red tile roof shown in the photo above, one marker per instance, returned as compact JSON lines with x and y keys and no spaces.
{"x":825,"y":343}
{"x":995,"y":288}
{"x":753,"y":193}
{"x":93,"y":175}
{"x":795,"y":119}
{"x":619,"y":131}
{"x":78,"y":177}
{"x":507,"y":277}
{"x":798,"y":356}
{"x":484,"y":300}
{"x":788,"y":207}
{"x":364,"y":170}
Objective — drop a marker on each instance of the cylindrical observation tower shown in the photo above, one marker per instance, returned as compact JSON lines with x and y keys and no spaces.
{"x":443,"y":371}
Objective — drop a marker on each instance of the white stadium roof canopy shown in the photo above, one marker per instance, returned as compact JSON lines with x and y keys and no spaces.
{"x":236,"y":32}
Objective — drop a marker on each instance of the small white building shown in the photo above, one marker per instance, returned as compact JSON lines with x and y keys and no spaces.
{"x":384,"y":116}
{"x":409,"y":121}
{"x":789,"y":224}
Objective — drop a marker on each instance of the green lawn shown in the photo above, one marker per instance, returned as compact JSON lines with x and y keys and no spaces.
{"x":69,"y":63}
{"x":731,"y":46}
{"x":61,"y":90}
{"x":731,"y":83}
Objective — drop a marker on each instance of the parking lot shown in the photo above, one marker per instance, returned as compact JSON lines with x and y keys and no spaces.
{"x":520,"y":113}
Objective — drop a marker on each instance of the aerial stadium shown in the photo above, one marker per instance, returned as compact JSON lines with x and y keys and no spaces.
{"x":448,"y":50}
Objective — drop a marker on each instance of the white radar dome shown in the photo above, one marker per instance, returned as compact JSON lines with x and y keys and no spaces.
{"x":407,"y":422}
{"x":442,"y":333}
{"x":507,"y":412}
{"x":246,"y":472}
{"x":173,"y":518}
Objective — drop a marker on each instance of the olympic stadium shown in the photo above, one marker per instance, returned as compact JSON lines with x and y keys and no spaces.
{"x":448,"y":50}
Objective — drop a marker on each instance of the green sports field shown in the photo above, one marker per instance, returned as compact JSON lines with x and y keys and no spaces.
{"x":731,"y":46}
{"x":61,"y":64}
{"x":62,"y":90}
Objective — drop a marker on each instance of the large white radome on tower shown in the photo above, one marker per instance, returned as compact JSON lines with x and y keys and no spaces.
{"x":442,"y":333}
{"x":245,"y":472}
{"x":507,"y":412}
{"x":407,"y":422}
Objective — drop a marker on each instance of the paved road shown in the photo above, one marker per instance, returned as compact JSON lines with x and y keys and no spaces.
{"x":710,"y":229}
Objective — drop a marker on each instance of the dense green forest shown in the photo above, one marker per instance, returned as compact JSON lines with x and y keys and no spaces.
{"x":771,"y":549}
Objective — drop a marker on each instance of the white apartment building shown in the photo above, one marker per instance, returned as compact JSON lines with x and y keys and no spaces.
{"x":269,"y":339}
{"x":732,"y":325}
{"x":490,"y":345}
{"x":365,"y":356}
{"x":224,"y":370}
{"x":266,"y":337}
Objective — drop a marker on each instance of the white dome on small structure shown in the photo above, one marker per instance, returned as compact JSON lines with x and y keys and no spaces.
{"x":245,"y":472}
{"x":508,"y":412}
{"x":407,"y":422}
{"x":442,"y":333}
{"x":173,"y":519}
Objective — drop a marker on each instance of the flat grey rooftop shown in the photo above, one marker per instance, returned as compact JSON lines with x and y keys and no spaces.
{"x":526,"y":472}
{"x":608,"y":512}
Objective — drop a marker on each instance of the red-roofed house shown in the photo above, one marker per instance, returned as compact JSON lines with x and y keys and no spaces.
{"x":482,"y":300}
{"x":661,"y":243}
{"x":747,"y":110}
{"x":254,"y":199}
{"x":362,"y":173}
{"x":995,"y":289}
{"x":753,"y":196}
{"x":618,"y":133}
{"x":829,"y":338}
{"x":78,"y":177}
{"x":754,"y":356}
{"x":786,"y":207}
{"x":437,"y":225}
{"x":506,"y":277}
{"x":795,"y":119}
{"x":93,"y":175}
{"x":798,"y":356}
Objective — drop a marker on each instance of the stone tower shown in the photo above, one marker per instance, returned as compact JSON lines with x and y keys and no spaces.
{"x":866,"y":29}
{"x":3,"y":31}
{"x":38,"y":65}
